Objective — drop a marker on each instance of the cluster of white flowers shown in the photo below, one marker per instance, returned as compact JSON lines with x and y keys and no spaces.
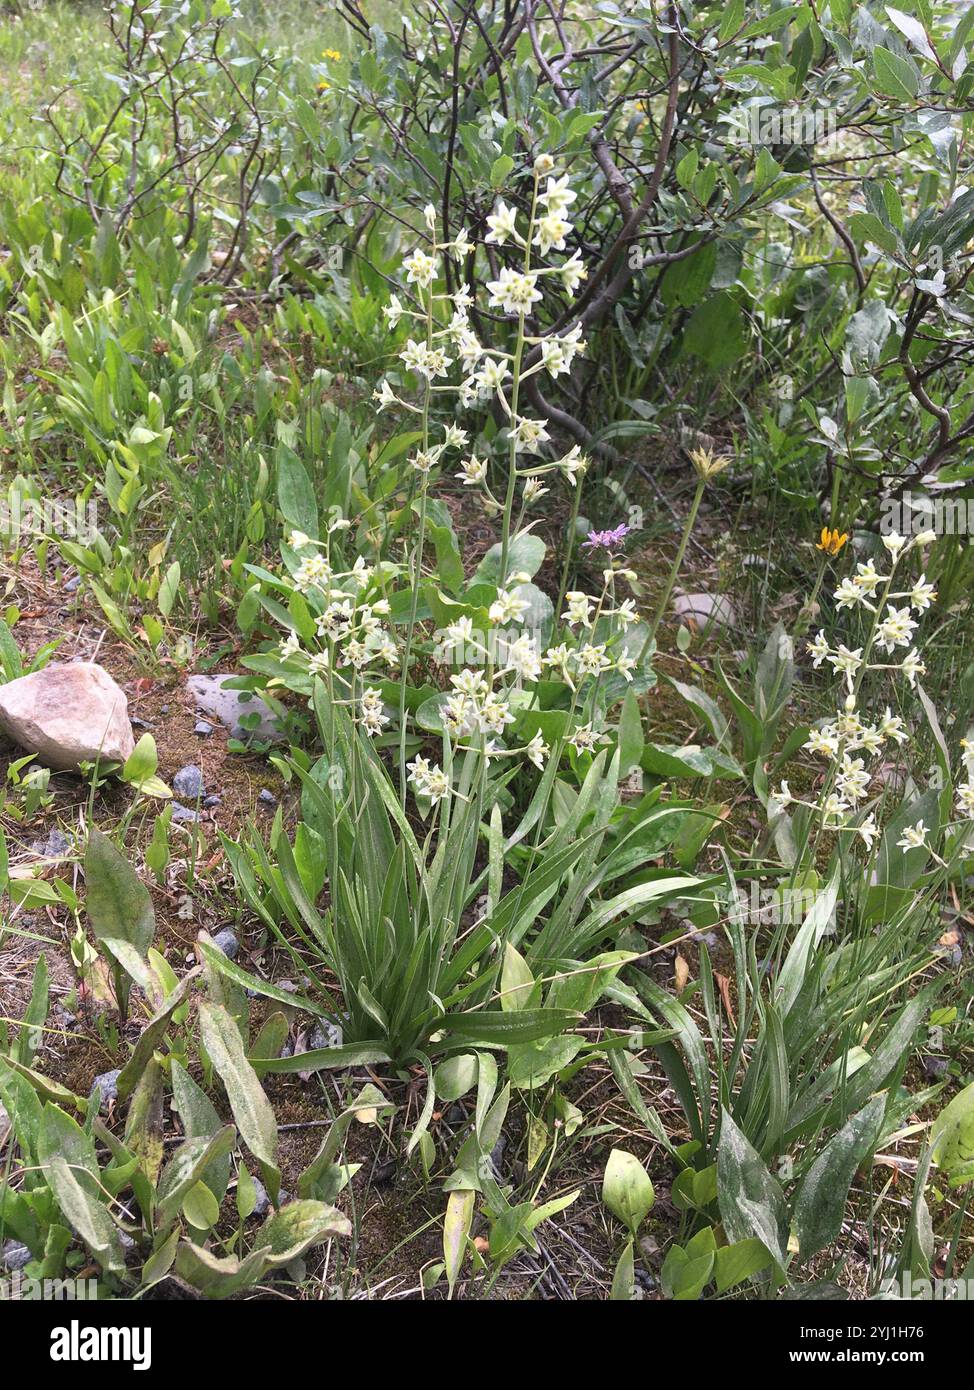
{"x":894,"y":626}
{"x":373,"y":717}
{"x":849,"y":734}
{"x":480,"y":700}
{"x":446,"y":359}
{"x":917,"y":836}
{"x":348,"y":617}
{"x":965,"y":789}
{"x":429,"y":780}
{"x":489,"y":373}
{"x":522,"y":657}
{"x":494,"y":663}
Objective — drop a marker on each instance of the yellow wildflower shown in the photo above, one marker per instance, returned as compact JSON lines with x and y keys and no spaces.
{"x":832,"y":541}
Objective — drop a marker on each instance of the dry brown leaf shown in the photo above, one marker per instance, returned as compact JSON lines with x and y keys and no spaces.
{"x":724,"y":985}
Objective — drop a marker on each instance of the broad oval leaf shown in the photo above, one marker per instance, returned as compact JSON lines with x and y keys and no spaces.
{"x":627,"y":1189}
{"x":117,"y":901}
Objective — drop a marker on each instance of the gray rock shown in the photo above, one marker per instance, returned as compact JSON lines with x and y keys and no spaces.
{"x":202,"y":728}
{"x":227,"y":942}
{"x":934,"y":1067}
{"x":68,"y":713}
{"x":212,"y":695}
{"x":73,"y":583}
{"x":107,"y":1086}
{"x":212,"y":800}
{"x":705,"y":610}
{"x":710,"y":939}
{"x":263,"y":1201}
{"x":15,"y":1256}
{"x":266,"y":798}
{"x":54,"y":847}
{"x":183,"y":813}
{"x":188,"y":782}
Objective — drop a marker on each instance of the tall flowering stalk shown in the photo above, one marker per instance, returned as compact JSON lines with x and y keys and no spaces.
{"x":480,"y":699}
{"x":706,"y":465}
{"x":492,"y":669}
{"x":848,"y":741}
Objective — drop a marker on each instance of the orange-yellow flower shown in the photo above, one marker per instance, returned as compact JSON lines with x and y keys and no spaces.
{"x":832,"y":541}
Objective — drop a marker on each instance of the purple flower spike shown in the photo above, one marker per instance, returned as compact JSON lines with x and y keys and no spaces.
{"x":606,"y":540}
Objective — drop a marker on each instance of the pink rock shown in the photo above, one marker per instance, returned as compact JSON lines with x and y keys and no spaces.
{"x":68,"y":713}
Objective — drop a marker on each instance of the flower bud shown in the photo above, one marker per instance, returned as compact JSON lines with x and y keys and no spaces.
{"x":707,"y":464}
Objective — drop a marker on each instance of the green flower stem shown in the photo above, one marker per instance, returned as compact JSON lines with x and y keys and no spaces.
{"x":415,"y":565}
{"x":805,"y":617}
{"x":515,"y":394}
{"x":570,"y":547}
{"x":674,"y":570}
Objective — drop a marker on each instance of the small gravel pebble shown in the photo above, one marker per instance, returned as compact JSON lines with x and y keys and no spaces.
{"x":227,"y":942}
{"x":324,"y":1035}
{"x":53,"y":847}
{"x":266,"y":798}
{"x":15,"y":1256}
{"x":202,"y":728}
{"x":188,"y":782}
{"x":184,"y":813}
{"x":107,"y":1085}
